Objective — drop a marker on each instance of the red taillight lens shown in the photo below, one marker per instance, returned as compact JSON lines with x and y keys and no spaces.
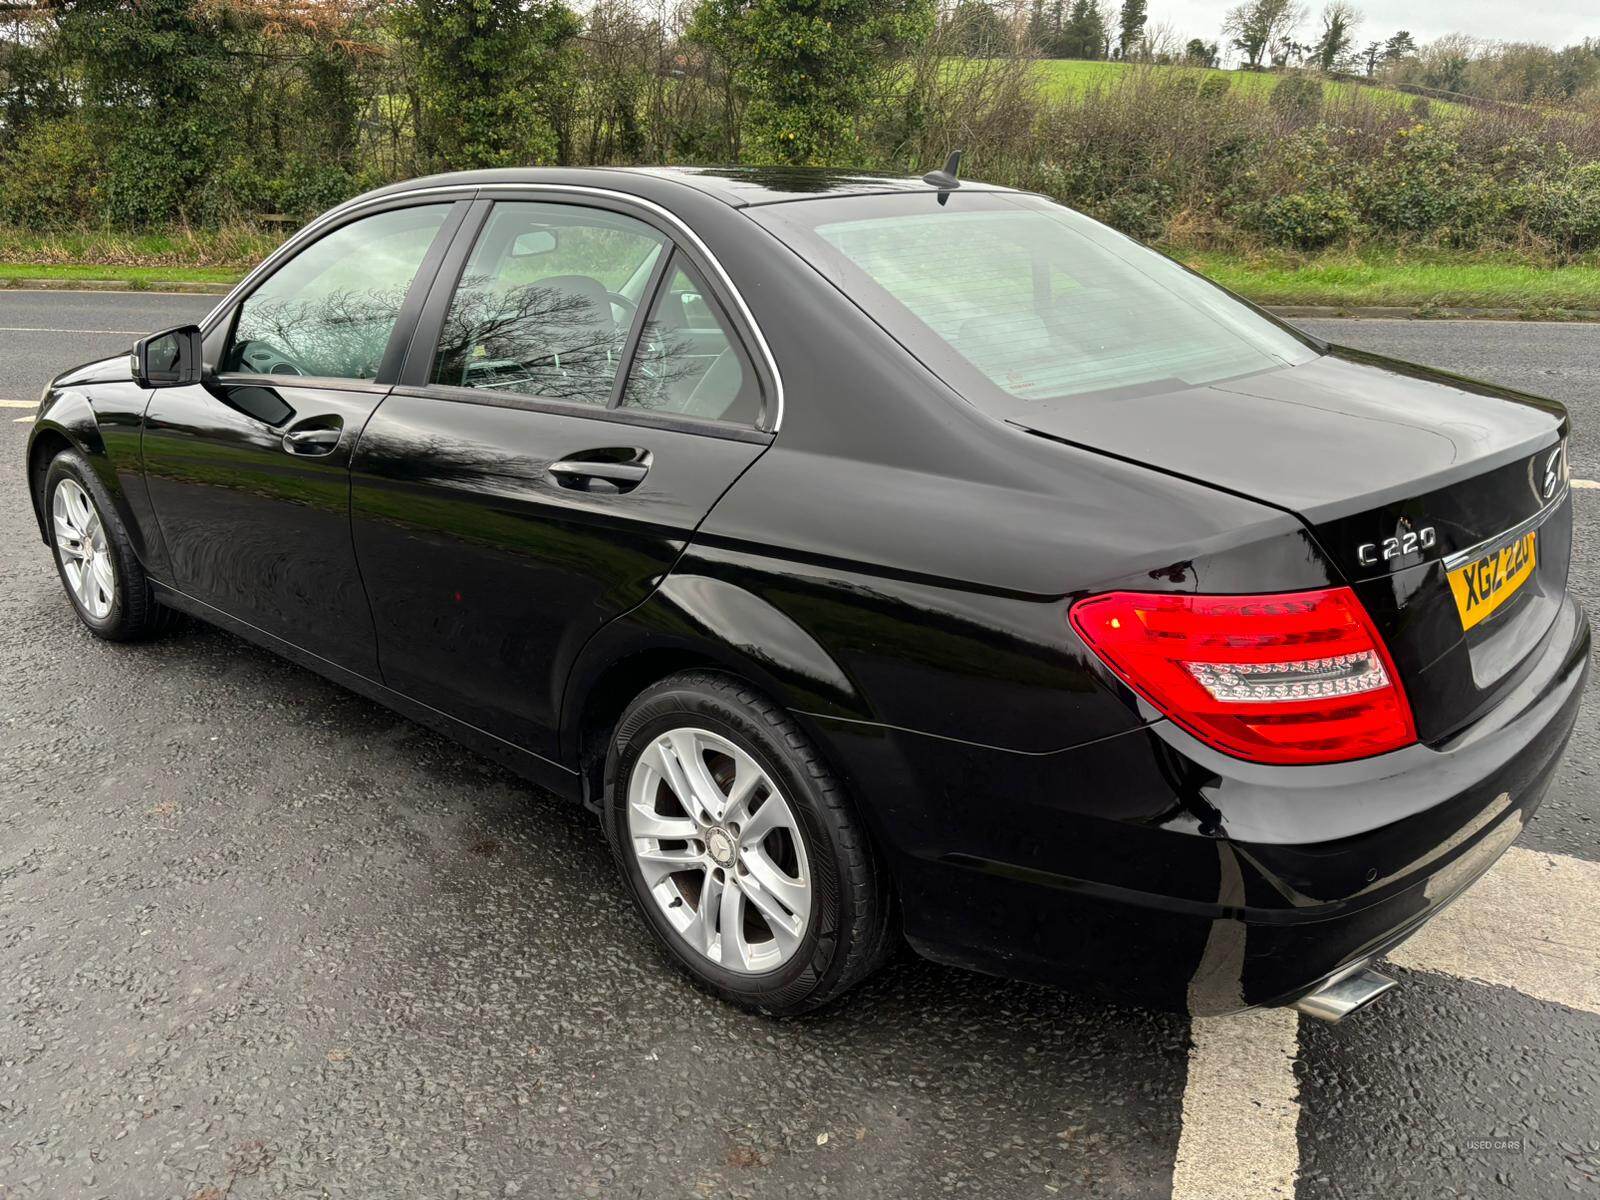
{"x":1301,"y":677}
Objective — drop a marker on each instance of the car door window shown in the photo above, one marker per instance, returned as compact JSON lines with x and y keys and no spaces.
{"x":330,"y":310}
{"x":542,"y":307}
{"x":689,"y":362}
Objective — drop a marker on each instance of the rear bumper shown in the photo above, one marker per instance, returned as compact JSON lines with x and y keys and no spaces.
{"x":1148,"y":868}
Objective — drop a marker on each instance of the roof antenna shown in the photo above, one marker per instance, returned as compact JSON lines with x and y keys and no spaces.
{"x":946,"y":178}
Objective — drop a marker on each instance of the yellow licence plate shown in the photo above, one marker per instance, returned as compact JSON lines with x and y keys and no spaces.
{"x":1485,"y":584}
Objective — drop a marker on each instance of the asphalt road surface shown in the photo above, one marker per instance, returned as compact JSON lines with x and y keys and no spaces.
{"x":259,"y":937}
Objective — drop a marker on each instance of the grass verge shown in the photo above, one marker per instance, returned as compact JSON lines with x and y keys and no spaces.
{"x":1374,"y":277}
{"x":177,"y":255}
{"x":134,"y":276}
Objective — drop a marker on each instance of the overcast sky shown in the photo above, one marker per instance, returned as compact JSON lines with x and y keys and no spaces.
{"x":1556,"y":22}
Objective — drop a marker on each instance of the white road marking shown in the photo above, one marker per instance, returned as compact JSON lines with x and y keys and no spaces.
{"x":46,"y":329}
{"x":1585,"y":483}
{"x":1527,"y":925}
{"x":19,"y":404}
{"x":1240,"y":1109}
{"x":20,"y":420}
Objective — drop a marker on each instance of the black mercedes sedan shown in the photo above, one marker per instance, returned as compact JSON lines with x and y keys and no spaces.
{"x":880,"y":560}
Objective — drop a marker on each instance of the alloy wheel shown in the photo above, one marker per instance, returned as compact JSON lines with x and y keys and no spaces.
{"x":720,"y":850}
{"x":83,"y":549}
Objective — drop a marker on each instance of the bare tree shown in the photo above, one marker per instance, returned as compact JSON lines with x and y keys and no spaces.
{"x":1160,"y":43}
{"x":983,"y":104}
{"x":1110,"y":14}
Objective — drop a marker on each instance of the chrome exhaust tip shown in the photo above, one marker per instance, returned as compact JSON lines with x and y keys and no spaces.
{"x":1341,"y":996}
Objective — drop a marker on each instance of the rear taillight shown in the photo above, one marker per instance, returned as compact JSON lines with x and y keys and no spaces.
{"x":1301,"y":677}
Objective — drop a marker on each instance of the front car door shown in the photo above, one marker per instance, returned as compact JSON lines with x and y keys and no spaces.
{"x":575,"y":402}
{"x":248,"y":472}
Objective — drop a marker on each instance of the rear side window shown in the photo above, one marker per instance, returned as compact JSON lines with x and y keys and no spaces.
{"x":689,"y":362}
{"x":546,"y":302}
{"x":1033,"y":299}
{"x":328,"y":312}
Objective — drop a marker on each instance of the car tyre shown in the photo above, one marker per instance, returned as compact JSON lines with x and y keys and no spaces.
{"x":94,"y":556}
{"x":769,"y":957}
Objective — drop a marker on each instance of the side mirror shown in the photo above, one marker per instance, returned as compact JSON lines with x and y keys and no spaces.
{"x":169,"y":359}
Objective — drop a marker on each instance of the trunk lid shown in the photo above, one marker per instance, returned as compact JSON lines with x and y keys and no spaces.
{"x":1404,"y":476}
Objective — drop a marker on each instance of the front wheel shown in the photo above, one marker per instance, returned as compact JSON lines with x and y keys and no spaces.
{"x":94,"y":555}
{"x":740,"y":847}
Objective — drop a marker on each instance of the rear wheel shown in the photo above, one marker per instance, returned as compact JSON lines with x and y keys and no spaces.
{"x":740,"y":848}
{"x":94,"y":555}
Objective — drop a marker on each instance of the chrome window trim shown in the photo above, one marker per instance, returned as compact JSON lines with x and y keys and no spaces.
{"x":475,"y":191}
{"x":1473,"y":553}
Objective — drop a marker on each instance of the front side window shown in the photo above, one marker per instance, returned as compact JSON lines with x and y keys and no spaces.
{"x":1017,"y":299}
{"x":329,"y":311}
{"x":689,"y":363}
{"x":546,"y":302}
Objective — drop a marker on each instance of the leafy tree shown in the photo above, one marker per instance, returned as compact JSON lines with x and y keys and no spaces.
{"x":1131,"y":25}
{"x":1370,"y":57}
{"x":976,"y":29}
{"x":1200,"y":54}
{"x":34,"y":84}
{"x":1038,"y":31}
{"x":808,"y":66}
{"x":1446,"y":62}
{"x":484,"y":74}
{"x":1339,"y":21}
{"x":1576,"y":68}
{"x":1401,"y":45}
{"x":1083,"y":33}
{"x":1257,"y":25}
{"x":152,"y":74}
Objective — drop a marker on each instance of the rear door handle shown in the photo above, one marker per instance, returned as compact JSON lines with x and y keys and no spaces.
{"x":612,"y":473}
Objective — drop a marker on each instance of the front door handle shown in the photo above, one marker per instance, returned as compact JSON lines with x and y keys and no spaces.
{"x":313,"y":441}
{"x":606,"y":471}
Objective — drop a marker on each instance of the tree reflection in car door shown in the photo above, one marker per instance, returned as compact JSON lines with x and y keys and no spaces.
{"x":341,"y":335}
{"x":543,"y":339}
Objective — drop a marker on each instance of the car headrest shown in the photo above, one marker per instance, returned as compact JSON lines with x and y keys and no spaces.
{"x":590,"y":305}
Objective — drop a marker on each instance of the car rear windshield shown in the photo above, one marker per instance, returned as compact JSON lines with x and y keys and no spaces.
{"x":1019,"y":294}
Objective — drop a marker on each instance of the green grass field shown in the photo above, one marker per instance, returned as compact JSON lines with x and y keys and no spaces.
{"x":1376,"y":277}
{"x":1062,"y":78}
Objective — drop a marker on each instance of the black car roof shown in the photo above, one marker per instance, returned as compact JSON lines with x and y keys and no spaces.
{"x":738,"y":187}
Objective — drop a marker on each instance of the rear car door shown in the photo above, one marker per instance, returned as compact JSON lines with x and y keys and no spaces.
{"x":248,"y":472}
{"x":576,"y":400}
